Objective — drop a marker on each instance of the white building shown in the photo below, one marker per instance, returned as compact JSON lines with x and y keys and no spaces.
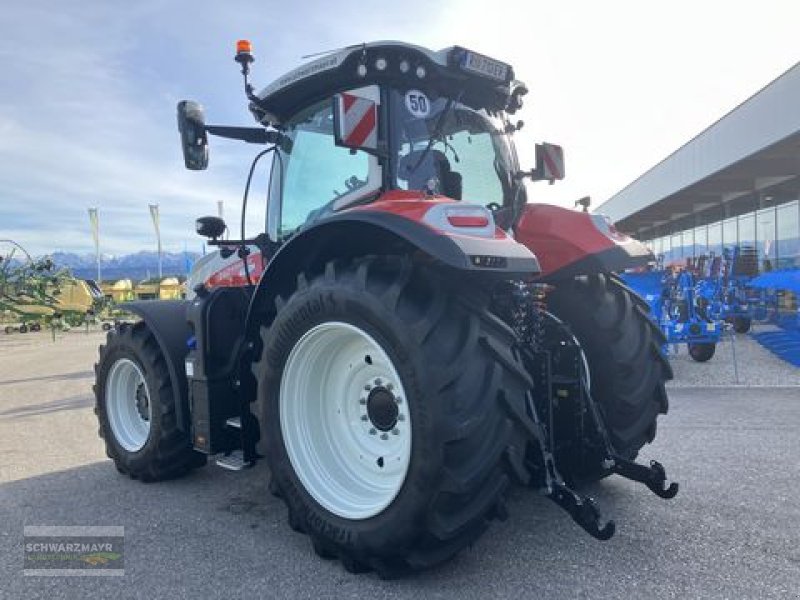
{"x":735,"y":184}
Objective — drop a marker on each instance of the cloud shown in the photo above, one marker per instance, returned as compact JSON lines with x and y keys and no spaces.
{"x":94,"y":128}
{"x":88,"y":93}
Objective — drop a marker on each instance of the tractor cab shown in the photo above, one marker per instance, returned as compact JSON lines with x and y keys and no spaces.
{"x":386,"y":117}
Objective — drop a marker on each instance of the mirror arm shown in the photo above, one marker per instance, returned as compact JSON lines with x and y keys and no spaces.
{"x":534,"y":175}
{"x":251,"y":135}
{"x":261,"y":241}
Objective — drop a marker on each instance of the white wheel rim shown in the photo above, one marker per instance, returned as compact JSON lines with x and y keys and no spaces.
{"x":334,"y":417}
{"x":128,"y":404}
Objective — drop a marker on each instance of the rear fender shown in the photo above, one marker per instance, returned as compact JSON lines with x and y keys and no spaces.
{"x":394,"y":226}
{"x":167,"y":320}
{"x":569,"y":243}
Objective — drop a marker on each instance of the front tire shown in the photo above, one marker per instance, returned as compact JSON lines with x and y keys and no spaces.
{"x":385,"y":408}
{"x":135,"y":407}
{"x":627,"y":368}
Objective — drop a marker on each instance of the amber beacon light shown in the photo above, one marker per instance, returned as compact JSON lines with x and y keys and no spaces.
{"x":243,"y":55}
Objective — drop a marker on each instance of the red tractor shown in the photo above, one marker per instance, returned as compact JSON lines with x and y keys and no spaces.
{"x":408,"y":337}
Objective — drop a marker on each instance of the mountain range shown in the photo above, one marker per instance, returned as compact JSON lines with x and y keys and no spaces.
{"x":137,"y":266}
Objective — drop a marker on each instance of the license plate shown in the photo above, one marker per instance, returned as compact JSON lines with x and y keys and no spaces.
{"x":482,"y":65}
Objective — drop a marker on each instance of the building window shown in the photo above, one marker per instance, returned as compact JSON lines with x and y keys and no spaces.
{"x":715,"y":238}
{"x":747,"y":231}
{"x":788,"y":235}
{"x":765,"y":238}
{"x":676,"y":242}
{"x":730,"y":235}
{"x":701,"y":241}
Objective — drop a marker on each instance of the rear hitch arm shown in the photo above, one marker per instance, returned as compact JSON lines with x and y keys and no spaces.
{"x":583,"y":511}
{"x":654,"y":476}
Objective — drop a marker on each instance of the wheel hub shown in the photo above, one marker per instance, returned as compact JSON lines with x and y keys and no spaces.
{"x":382,"y":409}
{"x":142,"y":402}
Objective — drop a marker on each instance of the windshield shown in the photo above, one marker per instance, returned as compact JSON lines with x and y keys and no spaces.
{"x":444,"y":147}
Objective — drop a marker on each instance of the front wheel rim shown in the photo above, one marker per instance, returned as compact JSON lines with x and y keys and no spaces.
{"x":345,"y":421}
{"x":128,"y":404}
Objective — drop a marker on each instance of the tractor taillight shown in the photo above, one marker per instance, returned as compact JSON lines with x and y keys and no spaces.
{"x":461,"y":218}
{"x":468,"y":220}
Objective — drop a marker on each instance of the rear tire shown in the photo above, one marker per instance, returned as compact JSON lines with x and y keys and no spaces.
{"x":627,"y":368}
{"x":463,"y":446}
{"x":702,"y":352}
{"x":742,"y":324}
{"x":135,"y":407}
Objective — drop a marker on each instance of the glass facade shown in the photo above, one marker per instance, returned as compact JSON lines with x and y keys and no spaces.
{"x":774,"y":233}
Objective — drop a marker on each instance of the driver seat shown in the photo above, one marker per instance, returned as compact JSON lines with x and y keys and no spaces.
{"x":434,"y":165}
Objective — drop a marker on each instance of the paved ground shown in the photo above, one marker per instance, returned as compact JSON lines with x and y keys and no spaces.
{"x":732,"y":532}
{"x":753,"y":364}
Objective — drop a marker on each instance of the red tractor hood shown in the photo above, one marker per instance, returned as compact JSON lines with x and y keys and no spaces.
{"x":569,"y":243}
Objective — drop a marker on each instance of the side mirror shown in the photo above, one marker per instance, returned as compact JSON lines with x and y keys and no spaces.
{"x":210,"y":227}
{"x":549,"y":162}
{"x":355,"y":122}
{"x":194,"y":141}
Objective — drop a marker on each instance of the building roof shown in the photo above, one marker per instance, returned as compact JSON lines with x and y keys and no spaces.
{"x":753,"y":148}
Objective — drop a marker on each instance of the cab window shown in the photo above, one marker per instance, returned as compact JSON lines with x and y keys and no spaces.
{"x":316,"y":172}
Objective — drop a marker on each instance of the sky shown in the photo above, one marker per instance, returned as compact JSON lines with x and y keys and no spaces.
{"x":88,"y":92}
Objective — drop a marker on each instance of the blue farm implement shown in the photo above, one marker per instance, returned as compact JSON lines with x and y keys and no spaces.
{"x":785,"y":341}
{"x":725,"y":291}
{"x":678,"y":310}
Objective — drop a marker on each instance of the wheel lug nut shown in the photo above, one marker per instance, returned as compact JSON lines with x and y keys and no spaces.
{"x":362,"y":401}
{"x":378,"y":381}
{"x":398,"y":399}
{"x":384,"y":436}
{"x":395,"y":431}
{"x":367,"y":387}
{"x":364,"y":417}
{"x":389,"y":387}
{"x":373,"y":431}
{"x":401,"y":417}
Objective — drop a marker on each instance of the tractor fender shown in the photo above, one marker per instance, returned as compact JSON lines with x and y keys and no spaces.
{"x":369,"y":230}
{"x":167,"y":320}
{"x":570,"y":243}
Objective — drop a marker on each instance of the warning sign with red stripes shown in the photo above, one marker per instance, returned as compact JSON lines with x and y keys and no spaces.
{"x":551,"y":158}
{"x":358,"y":118}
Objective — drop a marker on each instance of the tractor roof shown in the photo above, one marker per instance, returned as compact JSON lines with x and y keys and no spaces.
{"x":480,"y":81}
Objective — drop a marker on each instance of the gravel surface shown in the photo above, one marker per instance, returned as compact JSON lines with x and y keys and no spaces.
{"x":756,"y":365}
{"x":731,"y":532}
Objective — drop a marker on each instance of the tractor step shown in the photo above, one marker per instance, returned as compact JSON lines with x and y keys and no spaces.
{"x":234,"y":461}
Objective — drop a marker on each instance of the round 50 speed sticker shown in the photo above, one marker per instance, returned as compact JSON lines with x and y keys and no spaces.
{"x":417,"y":103}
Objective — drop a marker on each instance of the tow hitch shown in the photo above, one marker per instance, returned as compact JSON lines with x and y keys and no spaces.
{"x":559,"y":377}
